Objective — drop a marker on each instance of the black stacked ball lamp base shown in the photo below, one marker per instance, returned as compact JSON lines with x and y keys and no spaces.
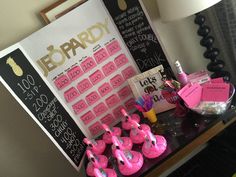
{"x":216,"y":66}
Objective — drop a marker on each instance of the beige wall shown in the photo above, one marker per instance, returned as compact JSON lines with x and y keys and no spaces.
{"x":179,"y":39}
{"x":25,"y":151}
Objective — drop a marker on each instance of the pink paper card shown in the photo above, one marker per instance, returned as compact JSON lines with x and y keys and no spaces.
{"x":80,"y":106}
{"x":121,"y":60}
{"x":88,"y":64}
{"x":100,"y":109}
{"x":113,"y":47}
{"x":117,"y":112}
{"x":62,"y":82}
{"x":75,"y":73}
{"x":117,"y":81}
{"x":104,"y":89}
{"x":191,"y":94}
{"x":124,"y":92}
{"x":128,"y":72}
{"x":87,"y":117}
{"x":96,"y":77}
{"x":112,"y":100}
{"x":92,"y":98}
{"x":96,"y":128}
{"x":130,"y":104}
{"x":108,"y":119}
{"x":217,"y":80}
{"x":199,"y":77}
{"x":84,"y":85}
{"x":71,"y":94}
{"x":215,"y":92}
{"x":101,"y":55}
{"x":109,"y":68}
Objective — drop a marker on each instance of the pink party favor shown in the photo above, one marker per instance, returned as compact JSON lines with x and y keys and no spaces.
{"x":107,"y":136}
{"x":122,"y":143}
{"x":137,"y":134}
{"x":96,"y":161}
{"x":107,"y":172}
{"x":131,"y":164}
{"x":97,"y":147}
{"x":154,"y":145}
{"x":126,"y":123}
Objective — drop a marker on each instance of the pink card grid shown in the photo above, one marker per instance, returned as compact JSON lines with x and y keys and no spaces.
{"x":92,"y":97}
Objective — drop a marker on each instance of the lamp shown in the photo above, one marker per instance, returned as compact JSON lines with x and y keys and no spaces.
{"x":171,"y":10}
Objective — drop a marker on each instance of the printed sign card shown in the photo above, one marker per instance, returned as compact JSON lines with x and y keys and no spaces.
{"x":149,"y":82}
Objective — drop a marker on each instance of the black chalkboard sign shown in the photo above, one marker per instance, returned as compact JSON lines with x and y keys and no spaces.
{"x":137,"y":33}
{"x":29,"y":87}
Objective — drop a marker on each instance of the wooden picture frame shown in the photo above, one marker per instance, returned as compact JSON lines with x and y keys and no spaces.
{"x":58,"y":9}
{"x":149,"y":82}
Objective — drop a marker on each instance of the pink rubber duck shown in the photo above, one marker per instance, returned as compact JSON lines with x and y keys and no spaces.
{"x":97,"y":147}
{"x":137,"y":133}
{"x":96,"y":161}
{"x":126,"y":125}
{"x":122,"y":143}
{"x":129,"y":164}
{"x":107,"y":172}
{"x":154,"y":145}
{"x":107,"y":136}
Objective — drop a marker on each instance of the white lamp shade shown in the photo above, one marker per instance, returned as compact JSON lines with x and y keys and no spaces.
{"x":176,"y":9}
